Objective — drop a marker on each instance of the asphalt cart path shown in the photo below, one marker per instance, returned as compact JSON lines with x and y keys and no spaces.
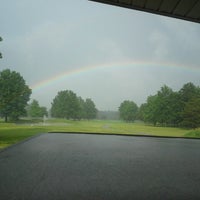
{"x":100,"y":167}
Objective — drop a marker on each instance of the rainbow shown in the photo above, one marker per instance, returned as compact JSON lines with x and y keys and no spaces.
{"x":79,"y":71}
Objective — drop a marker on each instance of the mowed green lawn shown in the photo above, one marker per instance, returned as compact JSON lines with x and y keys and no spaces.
{"x":11,"y":133}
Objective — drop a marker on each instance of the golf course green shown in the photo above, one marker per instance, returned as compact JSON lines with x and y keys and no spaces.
{"x":11,"y":133}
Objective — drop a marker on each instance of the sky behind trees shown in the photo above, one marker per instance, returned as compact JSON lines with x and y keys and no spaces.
{"x":102,"y":52}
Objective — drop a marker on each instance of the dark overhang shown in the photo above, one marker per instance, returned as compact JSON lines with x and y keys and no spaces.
{"x":182,"y":9}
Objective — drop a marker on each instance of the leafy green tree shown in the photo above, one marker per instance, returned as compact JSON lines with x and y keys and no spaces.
{"x":191,"y":114}
{"x":150,"y":110}
{"x":34,"y":109}
{"x":14,"y":95}
{"x":81,"y":114}
{"x":90,"y":109}
{"x":43,"y":111}
{"x":171,"y":108}
{"x":128,"y":111}
{"x":0,"y":52}
{"x":175,"y":109}
{"x":65,"y":105}
{"x":188,"y":92}
{"x":163,"y":108}
{"x":166,"y":109}
{"x":141,"y":112}
{"x":58,"y":105}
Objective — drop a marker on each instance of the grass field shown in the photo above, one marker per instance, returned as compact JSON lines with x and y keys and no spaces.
{"x":11,"y":133}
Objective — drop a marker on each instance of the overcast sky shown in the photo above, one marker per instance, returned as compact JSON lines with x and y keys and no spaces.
{"x":102,"y":52}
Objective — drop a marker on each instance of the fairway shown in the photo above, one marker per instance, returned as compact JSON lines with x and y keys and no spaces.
{"x":11,"y":133}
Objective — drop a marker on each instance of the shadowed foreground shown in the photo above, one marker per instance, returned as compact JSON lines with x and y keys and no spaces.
{"x":100,"y":167}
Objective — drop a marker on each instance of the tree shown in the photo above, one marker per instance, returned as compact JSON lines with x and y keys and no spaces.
{"x":34,"y":109}
{"x":90,"y":109}
{"x":166,"y":106}
{"x":163,"y":108}
{"x":128,"y":110}
{"x":141,"y":112}
{"x":175,"y":109}
{"x":191,"y":114}
{"x":43,"y":111}
{"x":0,"y":52}
{"x":188,"y":92}
{"x":65,"y":105}
{"x":172,"y":108}
{"x":81,"y":114}
{"x":14,"y":95}
{"x":150,"y":110}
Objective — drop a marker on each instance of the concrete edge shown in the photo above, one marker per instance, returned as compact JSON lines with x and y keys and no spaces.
{"x":120,"y":134}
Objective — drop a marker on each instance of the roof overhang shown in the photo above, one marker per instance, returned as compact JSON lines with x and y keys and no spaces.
{"x":182,"y":9}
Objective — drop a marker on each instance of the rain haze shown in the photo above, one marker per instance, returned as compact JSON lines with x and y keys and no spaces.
{"x":106,"y":53}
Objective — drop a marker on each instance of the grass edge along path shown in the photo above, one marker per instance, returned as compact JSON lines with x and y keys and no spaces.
{"x":11,"y":133}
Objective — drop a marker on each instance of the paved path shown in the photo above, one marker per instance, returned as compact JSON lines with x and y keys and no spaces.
{"x":100,"y":167}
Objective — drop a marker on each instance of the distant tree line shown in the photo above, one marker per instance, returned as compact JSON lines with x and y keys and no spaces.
{"x":68,"y":105}
{"x":167,"y":108}
{"x":108,"y":115}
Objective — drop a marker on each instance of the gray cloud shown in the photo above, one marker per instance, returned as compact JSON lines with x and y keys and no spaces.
{"x":45,"y":38}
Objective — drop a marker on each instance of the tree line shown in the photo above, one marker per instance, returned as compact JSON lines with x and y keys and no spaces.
{"x":68,"y":105}
{"x":167,"y":108}
{"x":15,"y":95}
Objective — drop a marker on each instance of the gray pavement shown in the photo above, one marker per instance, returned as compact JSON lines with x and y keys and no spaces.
{"x":100,"y":167}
